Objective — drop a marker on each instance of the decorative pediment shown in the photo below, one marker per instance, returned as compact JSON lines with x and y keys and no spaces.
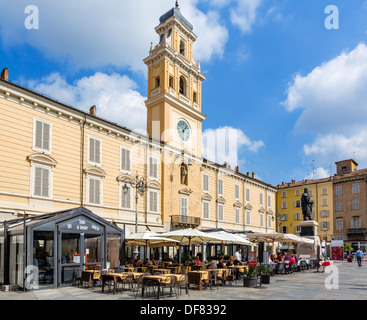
{"x":95,"y":171}
{"x":185,"y":191}
{"x":206,"y":197}
{"x":154,"y":185}
{"x":42,"y":159}
{"x":221,"y":200}
{"x":237,"y":204}
{"x":261,"y":210}
{"x":124,"y":178}
{"x":248,"y":206}
{"x":271,"y":212}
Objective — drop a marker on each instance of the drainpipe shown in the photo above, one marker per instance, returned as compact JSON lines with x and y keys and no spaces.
{"x":82,"y":164}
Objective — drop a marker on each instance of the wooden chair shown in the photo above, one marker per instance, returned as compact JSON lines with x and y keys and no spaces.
{"x":213,"y":279}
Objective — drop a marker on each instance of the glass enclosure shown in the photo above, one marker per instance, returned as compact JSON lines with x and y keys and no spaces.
{"x":16,"y":259}
{"x":57,"y":244}
{"x":43,"y":255}
{"x":113,"y":250}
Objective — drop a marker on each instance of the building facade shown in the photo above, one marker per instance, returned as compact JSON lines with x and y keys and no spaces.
{"x":350,"y":204}
{"x":289,"y":210}
{"x":55,"y":157}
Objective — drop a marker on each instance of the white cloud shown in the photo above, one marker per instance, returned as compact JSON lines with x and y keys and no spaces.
{"x":334,"y":107}
{"x":332,"y":96}
{"x":244,"y":15}
{"x":225,"y":143}
{"x":115,"y":96}
{"x":92,"y":34}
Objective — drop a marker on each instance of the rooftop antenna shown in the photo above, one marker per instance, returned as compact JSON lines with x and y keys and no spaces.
{"x":313,"y":169}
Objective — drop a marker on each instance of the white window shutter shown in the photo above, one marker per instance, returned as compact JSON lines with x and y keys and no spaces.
{"x":38,"y":181}
{"x":91,"y":190}
{"x":39,"y":134}
{"x":45,"y":182}
{"x":46,"y":136}
{"x":97,"y":151}
{"x":97,"y":191}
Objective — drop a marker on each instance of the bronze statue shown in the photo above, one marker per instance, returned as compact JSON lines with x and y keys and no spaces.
{"x":184,"y":174}
{"x":306,"y":204}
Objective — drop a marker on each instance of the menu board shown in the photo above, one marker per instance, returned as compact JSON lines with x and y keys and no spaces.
{"x":252,"y":259}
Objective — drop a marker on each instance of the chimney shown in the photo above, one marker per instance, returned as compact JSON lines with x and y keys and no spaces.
{"x":236,"y":169}
{"x":93,"y":111}
{"x":5,"y":74}
{"x":248,"y":174}
{"x":253,"y":175}
{"x":225,"y":164}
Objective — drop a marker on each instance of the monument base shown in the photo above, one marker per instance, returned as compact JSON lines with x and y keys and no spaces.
{"x":309,"y":231}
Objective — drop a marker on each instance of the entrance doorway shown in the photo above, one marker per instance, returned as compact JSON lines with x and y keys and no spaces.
{"x":81,"y":247}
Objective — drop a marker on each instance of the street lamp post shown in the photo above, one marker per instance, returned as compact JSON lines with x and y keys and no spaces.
{"x":139,"y":186}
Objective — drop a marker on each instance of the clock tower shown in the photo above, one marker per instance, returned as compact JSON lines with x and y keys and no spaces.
{"x":174,"y":86}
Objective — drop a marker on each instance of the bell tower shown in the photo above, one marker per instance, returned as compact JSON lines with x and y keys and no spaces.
{"x":174,"y":85}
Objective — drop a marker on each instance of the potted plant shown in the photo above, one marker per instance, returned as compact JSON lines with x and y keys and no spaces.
{"x":348,"y":247}
{"x":265,"y":274}
{"x":250,"y":277}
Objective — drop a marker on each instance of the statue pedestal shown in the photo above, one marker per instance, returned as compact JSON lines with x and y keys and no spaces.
{"x":309,"y":230}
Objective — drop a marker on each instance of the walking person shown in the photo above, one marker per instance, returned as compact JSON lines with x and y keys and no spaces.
{"x":359,"y":256}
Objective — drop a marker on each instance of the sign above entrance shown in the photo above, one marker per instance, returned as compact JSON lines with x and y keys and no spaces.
{"x":81,"y":224}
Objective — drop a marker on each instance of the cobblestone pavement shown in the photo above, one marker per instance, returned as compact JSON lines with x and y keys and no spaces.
{"x":341,"y":281}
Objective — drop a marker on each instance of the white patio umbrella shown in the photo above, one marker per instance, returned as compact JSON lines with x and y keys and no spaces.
{"x":190,"y":236}
{"x":229,"y":238}
{"x":147,"y":239}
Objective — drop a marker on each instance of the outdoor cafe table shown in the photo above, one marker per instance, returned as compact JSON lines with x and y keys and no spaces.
{"x":116,"y":277}
{"x":89,"y":276}
{"x":160,"y":279}
{"x":164,"y":271}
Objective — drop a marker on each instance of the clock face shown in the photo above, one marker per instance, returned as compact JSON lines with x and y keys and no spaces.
{"x":183,"y":130}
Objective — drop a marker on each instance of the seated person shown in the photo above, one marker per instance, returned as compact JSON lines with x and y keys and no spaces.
{"x":279,"y":257}
{"x":220,"y":264}
{"x":231,"y":261}
{"x":213,"y":263}
{"x":153,"y":262}
{"x":138,"y":262}
{"x":146,"y":262}
{"x":197,"y":262}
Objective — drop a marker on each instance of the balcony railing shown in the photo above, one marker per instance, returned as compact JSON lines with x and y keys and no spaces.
{"x":357,"y":231}
{"x":185,"y":221}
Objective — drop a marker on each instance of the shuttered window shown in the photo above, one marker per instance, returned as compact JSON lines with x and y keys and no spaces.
{"x":125,"y":159}
{"x":95,"y":151}
{"x":220,"y":187}
{"x":42,"y":182}
{"x":269,"y":201}
{"x":220,"y":212}
{"x":206,"y":210}
{"x":237,"y":192}
{"x":237,"y":215}
{"x":95,"y":190}
{"x":261,"y":219}
{"x":126,"y":198}
{"x":248,"y":217}
{"x":205,"y":183}
{"x":247,"y":194}
{"x":153,"y":201}
{"x":184,"y":206}
{"x":153,"y":168}
{"x":261,"y":199}
{"x":42,"y":135}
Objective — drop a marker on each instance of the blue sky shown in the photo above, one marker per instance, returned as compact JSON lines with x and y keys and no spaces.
{"x":294,"y":91}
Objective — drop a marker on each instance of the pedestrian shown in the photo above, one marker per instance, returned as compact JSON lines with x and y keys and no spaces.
{"x":237,"y":255}
{"x":359,"y":256}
